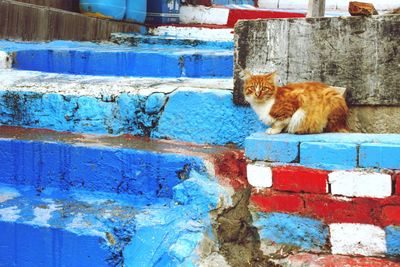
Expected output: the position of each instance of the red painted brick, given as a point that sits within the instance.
(270, 201)
(390, 215)
(335, 210)
(230, 168)
(305, 259)
(300, 179)
(397, 183)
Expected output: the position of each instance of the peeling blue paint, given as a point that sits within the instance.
(105, 229)
(208, 116)
(196, 116)
(86, 58)
(308, 234)
(330, 151)
(92, 168)
(393, 240)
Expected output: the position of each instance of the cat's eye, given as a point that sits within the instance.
(250, 89)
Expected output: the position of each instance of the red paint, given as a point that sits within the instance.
(334, 210)
(306, 259)
(249, 14)
(397, 183)
(270, 201)
(390, 215)
(300, 179)
(230, 167)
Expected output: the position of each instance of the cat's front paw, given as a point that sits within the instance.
(273, 131)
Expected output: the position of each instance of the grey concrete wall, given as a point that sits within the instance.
(359, 53)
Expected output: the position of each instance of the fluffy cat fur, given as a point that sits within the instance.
(300, 108)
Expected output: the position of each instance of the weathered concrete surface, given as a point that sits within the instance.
(358, 53)
(374, 119)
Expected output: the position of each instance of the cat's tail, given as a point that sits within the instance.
(337, 119)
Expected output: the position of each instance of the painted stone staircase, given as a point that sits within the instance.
(131, 201)
(327, 193)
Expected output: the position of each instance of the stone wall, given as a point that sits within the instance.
(358, 53)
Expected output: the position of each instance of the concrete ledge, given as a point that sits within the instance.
(183, 109)
(329, 49)
(84, 58)
(327, 151)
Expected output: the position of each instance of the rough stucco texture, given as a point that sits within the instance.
(358, 53)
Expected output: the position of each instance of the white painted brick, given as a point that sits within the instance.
(360, 184)
(259, 175)
(203, 15)
(357, 239)
(5, 60)
(198, 33)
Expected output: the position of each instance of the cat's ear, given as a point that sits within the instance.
(273, 77)
(245, 74)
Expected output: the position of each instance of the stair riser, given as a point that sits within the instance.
(125, 63)
(92, 168)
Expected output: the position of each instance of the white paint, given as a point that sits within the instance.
(198, 33)
(360, 184)
(341, 5)
(10, 214)
(357, 239)
(43, 214)
(262, 109)
(203, 15)
(5, 60)
(8, 193)
(259, 175)
(101, 86)
(295, 121)
(81, 226)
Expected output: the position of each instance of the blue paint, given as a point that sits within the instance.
(110, 8)
(163, 12)
(206, 117)
(144, 60)
(154, 103)
(26, 246)
(327, 151)
(352, 138)
(134, 39)
(380, 156)
(202, 116)
(92, 168)
(293, 230)
(332, 156)
(274, 151)
(393, 240)
(233, 2)
(147, 231)
(136, 10)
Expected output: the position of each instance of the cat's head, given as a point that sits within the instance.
(259, 88)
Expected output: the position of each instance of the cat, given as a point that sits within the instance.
(299, 108)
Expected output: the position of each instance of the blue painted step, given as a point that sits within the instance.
(70, 201)
(327, 151)
(121, 60)
(134, 39)
(193, 110)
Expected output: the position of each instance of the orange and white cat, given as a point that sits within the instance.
(300, 108)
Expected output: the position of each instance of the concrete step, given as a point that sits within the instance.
(229, 15)
(133, 39)
(104, 201)
(333, 193)
(330, 151)
(120, 60)
(193, 110)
